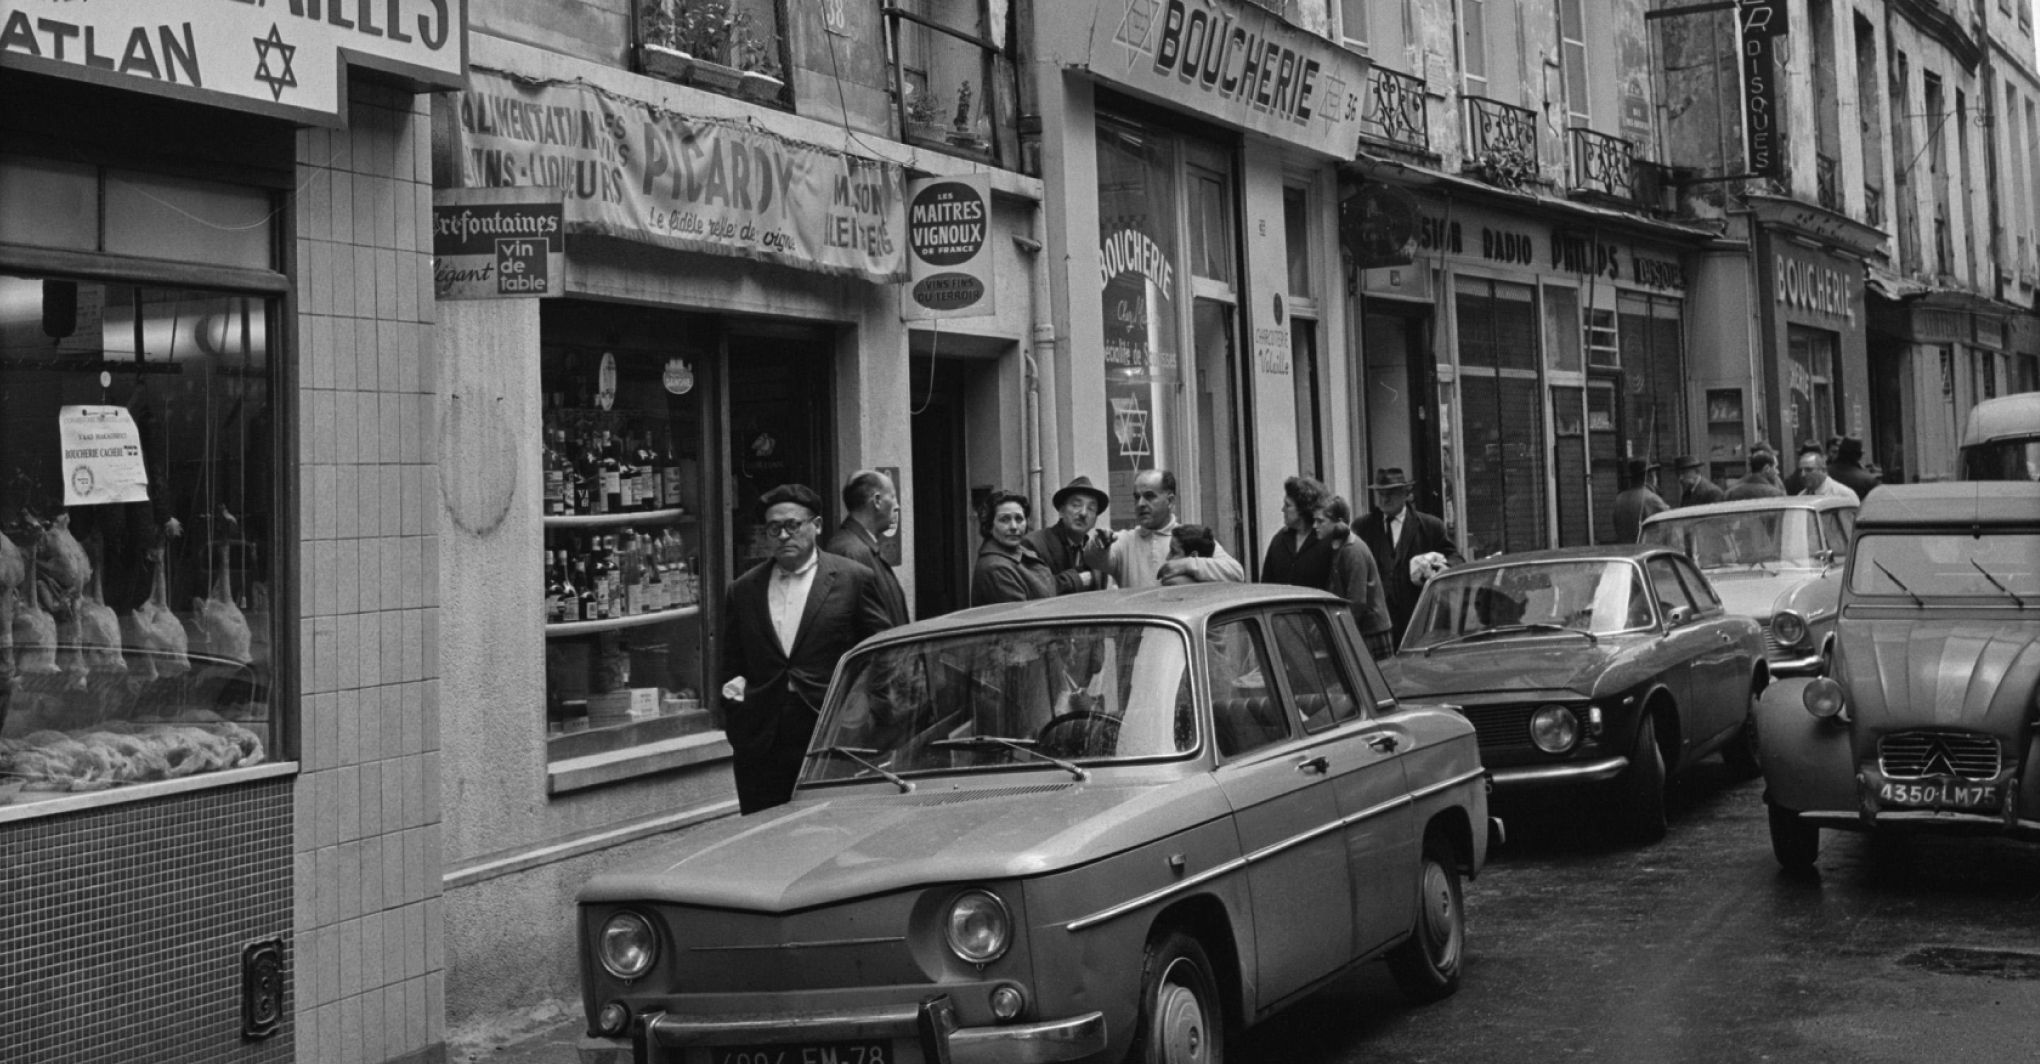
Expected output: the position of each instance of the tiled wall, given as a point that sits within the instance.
(369, 984)
(121, 928)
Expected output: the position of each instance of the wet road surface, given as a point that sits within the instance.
(1699, 949)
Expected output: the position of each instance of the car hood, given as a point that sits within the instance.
(1752, 592)
(821, 850)
(1906, 673)
(1524, 663)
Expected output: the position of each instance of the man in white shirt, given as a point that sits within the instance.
(1814, 480)
(1140, 555)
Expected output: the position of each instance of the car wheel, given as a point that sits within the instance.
(1741, 753)
(1642, 786)
(1794, 841)
(1181, 1019)
(1426, 965)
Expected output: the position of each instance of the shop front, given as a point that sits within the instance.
(1813, 323)
(213, 744)
(1514, 363)
(1199, 155)
(1934, 354)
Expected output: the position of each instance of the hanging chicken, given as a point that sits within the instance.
(220, 621)
(155, 638)
(13, 568)
(33, 630)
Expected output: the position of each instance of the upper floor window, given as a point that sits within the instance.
(1353, 24)
(729, 46)
(951, 74)
(1473, 46)
(1572, 38)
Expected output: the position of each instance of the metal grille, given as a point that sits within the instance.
(1500, 727)
(1911, 755)
(125, 927)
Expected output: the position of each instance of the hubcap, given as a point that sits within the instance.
(1441, 920)
(1181, 1016)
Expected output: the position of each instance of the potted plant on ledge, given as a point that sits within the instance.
(707, 43)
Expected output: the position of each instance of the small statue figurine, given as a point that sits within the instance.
(963, 106)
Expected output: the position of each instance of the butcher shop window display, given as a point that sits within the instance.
(137, 535)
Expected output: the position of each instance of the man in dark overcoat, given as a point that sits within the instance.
(1396, 533)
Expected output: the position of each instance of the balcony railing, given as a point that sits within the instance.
(1827, 181)
(1602, 164)
(1395, 110)
(948, 85)
(1501, 142)
(1873, 205)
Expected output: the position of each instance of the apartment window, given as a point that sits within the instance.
(1353, 24)
(1473, 46)
(952, 76)
(1572, 36)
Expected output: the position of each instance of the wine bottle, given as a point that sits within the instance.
(669, 478)
(612, 474)
(586, 595)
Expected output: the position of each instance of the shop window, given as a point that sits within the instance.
(1569, 465)
(139, 525)
(1562, 331)
(1810, 384)
(1220, 499)
(1653, 373)
(1725, 434)
(1604, 453)
(1139, 251)
(1503, 412)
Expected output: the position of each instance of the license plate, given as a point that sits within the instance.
(806, 1053)
(1945, 793)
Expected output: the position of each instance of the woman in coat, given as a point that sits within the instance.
(1355, 577)
(1007, 568)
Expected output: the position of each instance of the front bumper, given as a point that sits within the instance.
(1557, 774)
(927, 1033)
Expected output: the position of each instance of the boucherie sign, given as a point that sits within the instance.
(1229, 60)
(286, 58)
(633, 170)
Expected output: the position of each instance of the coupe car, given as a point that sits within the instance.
(1607, 667)
(1929, 720)
(1776, 561)
(1113, 826)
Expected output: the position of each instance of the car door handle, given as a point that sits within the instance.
(1318, 765)
(1382, 744)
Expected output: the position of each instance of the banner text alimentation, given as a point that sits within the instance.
(633, 170)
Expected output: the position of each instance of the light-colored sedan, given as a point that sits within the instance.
(1074, 829)
(1776, 561)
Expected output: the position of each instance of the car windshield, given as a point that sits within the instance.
(1585, 596)
(1741, 539)
(1008, 697)
(1925, 566)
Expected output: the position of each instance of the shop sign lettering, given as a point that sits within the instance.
(629, 169)
(287, 58)
(1271, 350)
(1581, 255)
(1435, 234)
(102, 456)
(1760, 23)
(486, 244)
(1229, 59)
(1662, 274)
(948, 256)
(1813, 287)
(1500, 245)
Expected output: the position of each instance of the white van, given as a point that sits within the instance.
(2003, 440)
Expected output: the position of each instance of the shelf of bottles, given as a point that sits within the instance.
(622, 603)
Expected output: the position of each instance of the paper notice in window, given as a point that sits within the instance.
(102, 456)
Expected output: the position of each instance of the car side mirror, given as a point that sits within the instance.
(1678, 615)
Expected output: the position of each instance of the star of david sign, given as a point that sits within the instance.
(273, 45)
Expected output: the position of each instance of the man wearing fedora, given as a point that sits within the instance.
(1694, 487)
(1396, 533)
(1074, 547)
(1637, 501)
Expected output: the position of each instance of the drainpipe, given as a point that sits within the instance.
(1037, 355)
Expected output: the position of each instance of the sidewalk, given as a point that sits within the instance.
(547, 1034)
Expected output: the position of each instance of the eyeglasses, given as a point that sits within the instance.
(784, 529)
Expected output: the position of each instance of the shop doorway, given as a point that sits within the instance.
(943, 524)
(1401, 404)
(779, 426)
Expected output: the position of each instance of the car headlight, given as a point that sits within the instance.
(978, 927)
(1824, 697)
(1554, 729)
(627, 946)
(1788, 628)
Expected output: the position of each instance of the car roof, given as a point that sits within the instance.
(1960, 503)
(2004, 417)
(1185, 603)
(1775, 502)
(1604, 552)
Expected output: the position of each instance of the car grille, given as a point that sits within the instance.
(1500, 727)
(1911, 755)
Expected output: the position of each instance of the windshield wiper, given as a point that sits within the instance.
(1917, 601)
(1996, 584)
(1025, 746)
(1511, 629)
(858, 754)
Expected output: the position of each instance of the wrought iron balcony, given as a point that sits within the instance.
(1501, 142)
(1827, 181)
(1602, 164)
(1873, 205)
(1395, 112)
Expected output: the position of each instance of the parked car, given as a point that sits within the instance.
(1776, 561)
(1928, 721)
(1610, 667)
(2002, 439)
(1070, 829)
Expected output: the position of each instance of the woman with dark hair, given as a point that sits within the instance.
(1007, 568)
(1298, 555)
(1355, 577)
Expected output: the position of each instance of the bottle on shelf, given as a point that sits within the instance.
(585, 597)
(669, 477)
(555, 484)
(627, 573)
(552, 589)
(566, 595)
(588, 473)
(604, 568)
(612, 475)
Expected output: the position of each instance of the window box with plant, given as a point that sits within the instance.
(711, 44)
